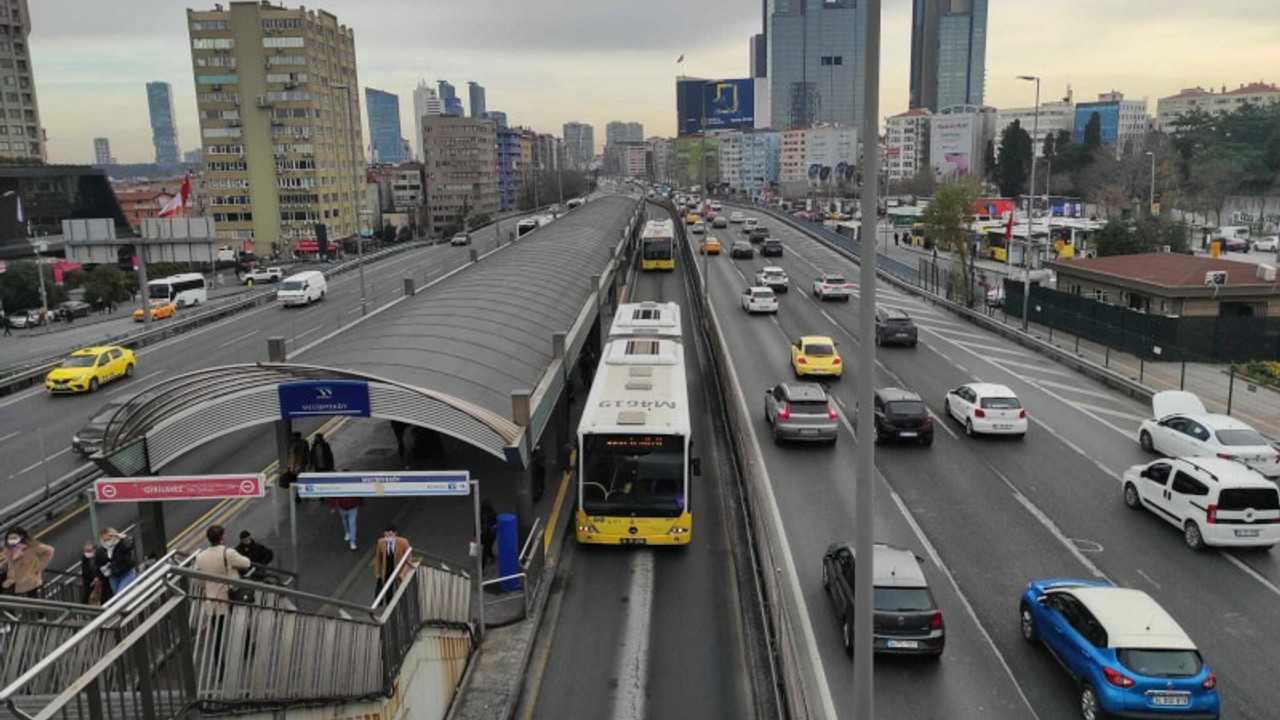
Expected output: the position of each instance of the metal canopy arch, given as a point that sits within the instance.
(207, 404)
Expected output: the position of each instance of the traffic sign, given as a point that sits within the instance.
(434, 483)
(191, 487)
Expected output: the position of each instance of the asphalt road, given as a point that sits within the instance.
(995, 514)
(653, 633)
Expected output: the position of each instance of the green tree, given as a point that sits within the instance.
(107, 283)
(989, 166)
(20, 286)
(478, 220)
(947, 219)
(1014, 164)
(1048, 150)
(1093, 132)
(1148, 235)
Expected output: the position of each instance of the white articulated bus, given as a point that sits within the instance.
(635, 464)
(182, 290)
(646, 319)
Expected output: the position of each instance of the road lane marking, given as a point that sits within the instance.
(1148, 577)
(1048, 524)
(1244, 567)
(10, 435)
(633, 660)
(133, 384)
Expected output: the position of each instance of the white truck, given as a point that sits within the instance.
(261, 275)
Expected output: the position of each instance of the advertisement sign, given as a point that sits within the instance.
(437, 483)
(951, 145)
(193, 487)
(993, 207)
(724, 104)
(320, 398)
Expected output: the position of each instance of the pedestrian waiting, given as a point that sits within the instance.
(321, 454)
(260, 555)
(116, 560)
(23, 563)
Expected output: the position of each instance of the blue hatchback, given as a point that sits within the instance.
(1129, 657)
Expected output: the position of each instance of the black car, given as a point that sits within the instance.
(88, 440)
(895, 326)
(771, 247)
(742, 249)
(72, 309)
(902, 415)
(907, 620)
(758, 233)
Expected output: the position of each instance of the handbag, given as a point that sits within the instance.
(95, 592)
(235, 593)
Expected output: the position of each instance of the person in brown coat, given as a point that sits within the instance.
(224, 562)
(23, 563)
(387, 554)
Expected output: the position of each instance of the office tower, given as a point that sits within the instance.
(276, 89)
(164, 132)
(17, 81)
(815, 50)
(459, 156)
(102, 152)
(449, 99)
(426, 101)
(475, 92)
(758, 56)
(1120, 120)
(497, 116)
(615, 132)
(384, 126)
(948, 53)
(580, 144)
(635, 132)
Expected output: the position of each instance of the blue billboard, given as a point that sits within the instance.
(719, 104)
(321, 398)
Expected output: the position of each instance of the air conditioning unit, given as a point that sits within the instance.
(1215, 277)
(234, 123)
(1267, 273)
(1166, 248)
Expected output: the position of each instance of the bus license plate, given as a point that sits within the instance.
(1246, 533)
(901, 644)
(633, 541)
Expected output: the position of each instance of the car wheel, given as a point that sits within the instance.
(846, 635)
(968, 427)
(1144, 439)
(1192, 535)
(1026, 623)
(93, 385)
(777, 436)
(1090, 707)
(128, 370)
(1131, 497)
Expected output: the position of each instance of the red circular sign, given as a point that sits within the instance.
(249, 487)
(108, 490)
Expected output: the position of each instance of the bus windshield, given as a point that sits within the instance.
(657, 249)
(633, 475)
(160, 291)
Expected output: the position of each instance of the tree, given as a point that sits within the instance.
(1093, 132)
(1049, 145)
(989, 162)
(1146, 236)
(106, 283)
(478, 220)
(1014, 164)
(947, 218)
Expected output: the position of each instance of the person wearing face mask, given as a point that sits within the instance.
(94, 589)
(116, 561)
(23, 563)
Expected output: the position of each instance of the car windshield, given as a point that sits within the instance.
(1246, 498)
(1161, 663)
(79, 361)
(905, 408)
(903, 599)
(1000, 403)
(291, 285)
(1240, 436)
(819, 349)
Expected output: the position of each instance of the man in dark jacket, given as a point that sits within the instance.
(257, 553)
(321, 455)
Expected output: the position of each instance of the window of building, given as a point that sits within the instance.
(283, 42)
(212, 43)
(282, 24)
(208, 25)
(227, 61)
(286, 60)
(227, 132)
(216, 79)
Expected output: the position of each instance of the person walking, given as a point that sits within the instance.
(347, 508)
(23, 563)
(321, 455)
(94, 590)
(4, 322)
(116, 561)
(390, 551)
(260, 555)
(222, 562)
(488, 533)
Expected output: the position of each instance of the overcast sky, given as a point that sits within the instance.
(550, 61)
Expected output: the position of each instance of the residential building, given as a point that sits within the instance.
(958, 138)
(1189, 100)
(791, 156)
(730, 157)
(426, 101)
(1171, 284)
(449, 99)
(548, 152)
(461, 169)
(1055, 116)
(660, 159)
(102, 152)
(906, 144)
(408, 187)
(385, 143)
(510, 168)
(580, 144)
(164, 130)
(815, 50)
(634, 160)
(18, 101)
(948, 53)
(759, 162)
(475, 93)
(497, 116)
(279, 109)
(138, 205)
(1121, 120)
(697, 160)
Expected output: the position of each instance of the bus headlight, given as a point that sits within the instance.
(588, 528)
(678, 531)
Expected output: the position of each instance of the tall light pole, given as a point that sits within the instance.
(1151, 196)
(1026, 249)
(355, 191)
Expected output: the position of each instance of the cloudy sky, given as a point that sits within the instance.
(550, 61)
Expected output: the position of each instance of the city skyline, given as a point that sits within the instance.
(631, 75)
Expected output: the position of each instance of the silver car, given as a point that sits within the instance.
(801, 411)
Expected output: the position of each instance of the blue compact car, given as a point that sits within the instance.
(1129, 657)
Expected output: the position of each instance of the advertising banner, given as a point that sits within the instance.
(322, 398)
(951, 145)
(723, 104)
(374, 484)
(194, 487)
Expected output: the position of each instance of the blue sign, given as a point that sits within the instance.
(321, 398)
(376, 484)
(715, 104)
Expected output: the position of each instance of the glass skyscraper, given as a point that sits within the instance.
(164, 133)
(384, 126)
(815, 62)
(948, 53)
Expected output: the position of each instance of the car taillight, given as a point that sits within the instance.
(928, 420)
(1210, 682)
(835, 361)
(847, 286)
(831, 412)
(785, 412)
(1022, 414)
(801, 361)
(1211, 516)
(826, 286)
(979, 413)
(935, 622)
(1117, 678)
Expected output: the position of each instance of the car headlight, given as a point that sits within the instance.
(75, 439)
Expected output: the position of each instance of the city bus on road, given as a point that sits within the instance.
(183, 290)
(634, 448)
(647, 319)
(657, 245)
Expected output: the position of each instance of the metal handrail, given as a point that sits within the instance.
(388, 585)
(523, 558)
(266, 587)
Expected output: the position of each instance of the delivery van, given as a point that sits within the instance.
(302, 288)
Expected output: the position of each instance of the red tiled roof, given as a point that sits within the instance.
(1167, 270)
(913, 112)
(140, 195)
(1189, 93)
(1253, 88)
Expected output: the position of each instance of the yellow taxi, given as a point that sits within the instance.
(816, 355)
(710, 246)
(692, 218)
(159, 311)
(86, 369)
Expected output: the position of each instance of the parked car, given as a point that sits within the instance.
(816, 355)
(742, 249)
(1266, 244)
(801, 411)
(460, 239)
(88, 439)
(23, 319)
(159, 311)
(1183, 428)
(1128, 656)
(895, 326)
(1213, 501)
(906, 618)
(986, 408)
(773, 277)
(771, 247)
(1235, 244)
(759, 299)
(87, 369)
(72, 309)
(832, 285)
(902, 415)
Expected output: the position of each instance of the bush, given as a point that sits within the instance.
(1264, 372)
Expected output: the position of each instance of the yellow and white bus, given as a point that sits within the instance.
(634, 448)
(657, 245)
(647, 319)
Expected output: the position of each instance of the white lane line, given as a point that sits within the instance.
(1110, 411)
(305, 333)
(1081, 391)
(940, 422)
(37, 464)
(1031, 366)
(1079, 450)
(1148, 577)
(1048, 524)
(246, 336)
(10, 435)
(133, 384)
(19, 397)
(991, 348)
(633, 660)
(1244, 567)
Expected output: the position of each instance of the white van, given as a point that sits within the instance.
(1214, 501)
(302, 288)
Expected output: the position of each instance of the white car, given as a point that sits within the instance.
(832, 285)
(460, 239)
(759, 299)
(736, 217)
(986, 408)
(1266, 244)
(1183, 428)
(716, 206)
(1213, 501)
(750, 224)
(698, 228)
(773, 277)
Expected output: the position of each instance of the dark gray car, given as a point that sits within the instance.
(801, 411)
(88, 440)
(894, 326)
(907, 619)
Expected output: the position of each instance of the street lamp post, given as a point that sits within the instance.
(1026, 249)
(1151, 196)
(355, 193)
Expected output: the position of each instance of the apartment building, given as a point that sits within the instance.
(460, 161)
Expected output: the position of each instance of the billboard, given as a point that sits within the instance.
(724, 104)
(952, 145)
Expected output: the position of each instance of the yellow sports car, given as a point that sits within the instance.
(710, 246)
(90, 367)
(816, 355)
(159, 311)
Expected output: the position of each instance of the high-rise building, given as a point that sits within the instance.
(580, 144)
(815, 50)
(758, 56)
(906, 144)
(276, 90)
(384, 126)
(18, 101)
(948, 53)
(635, 132)
(615, 132)
(475, 96)
(102, 152)
(1188, 100)
(449, 99)
(1120, 120)
(461, 172)
(510, 168)
(164, 131)
(426, 101)
(660, 154)
(497, 116)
